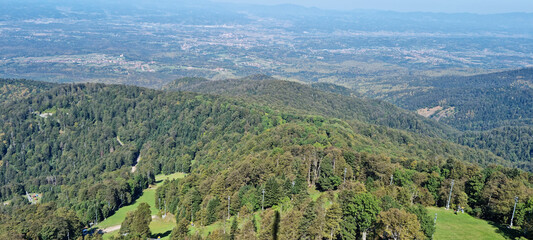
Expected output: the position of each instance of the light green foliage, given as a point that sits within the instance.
(333, 220)
(138, 222)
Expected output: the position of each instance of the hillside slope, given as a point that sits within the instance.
(479, 102)
(229, 147)
(322, 99)
(495, 110)
(13, 89)
(335, 101)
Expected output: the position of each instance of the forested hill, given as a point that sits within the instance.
(479, 102)
(95, 128)
(514, 144)
(335, 101)
(322, 99)
(12, 89)
(79, 156)
(495, 110)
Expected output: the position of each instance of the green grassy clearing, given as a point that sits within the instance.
(158, 225)
(162, 227)
(162, 177)
(206, 230)
(462, 226)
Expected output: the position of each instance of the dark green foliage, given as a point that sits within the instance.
(481, 102)
(250, 197)
(272, 192)
(230, 148)
(235, 228)
(426, 221)
(327, 180)
(403, 178)
(275, 226)
(473, 188)
(307, 220)
(528, 218)
(511, 143)
(388, 202)
(212, 209)
(495, 110)
(88, 122)
(359, 212)
(296, 97)
(327, 100)
(39, 222)
(181, 230)
(433, 184)
(334, 88)
(14, 89)
(333, 220)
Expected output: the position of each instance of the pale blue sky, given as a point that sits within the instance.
(448, 6)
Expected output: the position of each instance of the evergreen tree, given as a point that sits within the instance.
(234, 229)
(333, 219)
(306, 221)
(328, 180)
(212, 207)
(272, 192)
(181, 230)
(426, 221)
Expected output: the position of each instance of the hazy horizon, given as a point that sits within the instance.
(438, 6)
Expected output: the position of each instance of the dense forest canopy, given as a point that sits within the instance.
(79, 156)
(13, 89)
(323, 99)
(479, 102)
(331, 100)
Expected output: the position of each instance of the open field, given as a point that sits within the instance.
(462, 226)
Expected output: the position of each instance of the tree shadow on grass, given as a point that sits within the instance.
(162, 235)
(508, 233)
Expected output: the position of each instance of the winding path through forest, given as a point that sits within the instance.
(119, 142)
(134, 167)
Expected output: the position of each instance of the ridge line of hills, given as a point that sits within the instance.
(336, 101)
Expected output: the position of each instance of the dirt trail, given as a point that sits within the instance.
(134, 167)
(111, 229)
(120, 142)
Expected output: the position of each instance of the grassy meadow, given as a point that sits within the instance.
(462, 226)
(158, 226)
